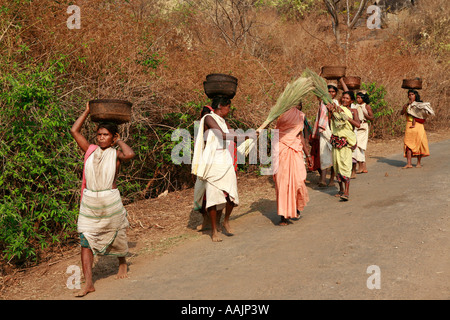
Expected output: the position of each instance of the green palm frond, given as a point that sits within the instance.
(320, 86)
(291, 97)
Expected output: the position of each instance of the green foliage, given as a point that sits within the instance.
(38, 169)
(385, 122)
(149, 59)
(377, 103)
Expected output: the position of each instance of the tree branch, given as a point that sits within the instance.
(358, 13)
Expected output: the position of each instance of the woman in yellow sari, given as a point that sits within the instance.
(415, 142)
(290, 171)
(343, 139)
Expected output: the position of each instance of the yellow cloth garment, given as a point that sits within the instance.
(416, 139)
(342, 128)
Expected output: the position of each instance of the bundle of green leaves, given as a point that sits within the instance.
(320, 86)
(291, 96)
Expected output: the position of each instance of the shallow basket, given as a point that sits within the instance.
(220, 84)
(412, 83)
(221, 77)
(352, 82)
(220, 88)
(110, 110)
(333, 72)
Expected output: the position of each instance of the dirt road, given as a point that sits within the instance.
(392, 236)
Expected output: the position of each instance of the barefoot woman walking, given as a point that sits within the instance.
(289, 166)
(103, 219)
(343, 139)
(213, 165)
(416, 142)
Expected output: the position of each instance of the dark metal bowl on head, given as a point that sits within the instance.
(220, 84)
(110, 110)
(415, 83)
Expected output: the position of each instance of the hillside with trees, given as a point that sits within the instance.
(156, 54)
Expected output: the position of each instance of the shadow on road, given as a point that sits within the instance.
(391, 162)
(268, 208)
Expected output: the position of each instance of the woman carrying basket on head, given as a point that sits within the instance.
(415, 141)
(102, 221)
(213, 165)
(343, 139)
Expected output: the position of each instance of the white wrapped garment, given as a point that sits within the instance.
(421, 110)
(213, 165)
(103, 218)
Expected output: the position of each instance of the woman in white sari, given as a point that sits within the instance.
(365, 114)
(103, 219)
(213, 165)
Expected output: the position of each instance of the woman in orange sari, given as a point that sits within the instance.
(416, 142)
(290, 171)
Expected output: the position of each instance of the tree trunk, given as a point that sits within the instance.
(333, 10)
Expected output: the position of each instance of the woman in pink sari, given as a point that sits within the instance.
(290, 170)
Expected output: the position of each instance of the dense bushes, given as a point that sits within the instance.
(37, 205)
(385, 122)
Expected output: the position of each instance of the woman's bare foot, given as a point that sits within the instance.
(407, 166)
(122, 269)
(206, 225)
(227, 229)
(85, 291)
(215, 237)
(283, 221)
(418, 165)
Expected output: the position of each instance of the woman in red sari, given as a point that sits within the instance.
(290, 171)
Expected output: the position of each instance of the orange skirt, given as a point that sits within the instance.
(290, 187)
(416, 140)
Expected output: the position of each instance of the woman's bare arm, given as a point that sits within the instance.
(125, 153)
(369, 114)
(344, 86)
(355, 120)
(404, 109)
(212, 124)
(75, 131)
